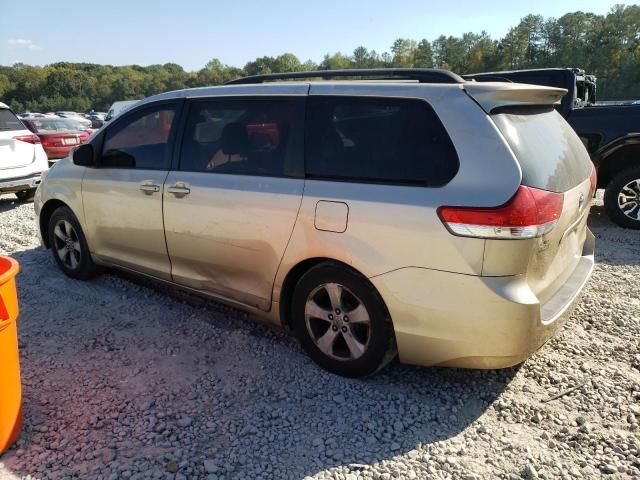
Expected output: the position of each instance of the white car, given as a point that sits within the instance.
(29, 115)
(75, 116)
(22, 158)
(119, 107)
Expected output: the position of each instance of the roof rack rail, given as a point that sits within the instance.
(487, 78)
(421, 75)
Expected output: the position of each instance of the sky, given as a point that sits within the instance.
(191, 32)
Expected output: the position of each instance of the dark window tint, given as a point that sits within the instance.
(243, 136)
(140, 139)
(550, 153)
(8, 121)
(378, 139)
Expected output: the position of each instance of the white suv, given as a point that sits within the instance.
(22, 158)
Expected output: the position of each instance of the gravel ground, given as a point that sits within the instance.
(123, 380)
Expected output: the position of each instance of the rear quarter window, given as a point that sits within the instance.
(551, 155)
(8, 121)
(380, 140)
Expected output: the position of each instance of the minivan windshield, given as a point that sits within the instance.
(8, 121)
(552, 157)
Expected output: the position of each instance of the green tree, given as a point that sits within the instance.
(286, 62)
(260, 66)
(335, 62)
(361, 58)
(423, 55)
(403, 50)
(5, 85)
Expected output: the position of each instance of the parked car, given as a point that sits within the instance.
(96, 121)
(22, 159)
(76, 117)
(118, 107)
(100, 115)
(27, 115)
(58, 136)
(357, 214)
(611, 134)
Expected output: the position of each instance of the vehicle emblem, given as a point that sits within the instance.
(580, 200)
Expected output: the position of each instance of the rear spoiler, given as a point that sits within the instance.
(492, 95)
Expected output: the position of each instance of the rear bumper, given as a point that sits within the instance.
(56, 153)
(17, 184)
(449, 319)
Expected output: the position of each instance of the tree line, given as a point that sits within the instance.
(607, 46)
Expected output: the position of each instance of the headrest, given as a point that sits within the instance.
(234, 139)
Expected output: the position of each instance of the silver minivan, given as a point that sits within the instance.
(407, 213)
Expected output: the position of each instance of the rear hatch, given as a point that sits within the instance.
(552, 158)
(16, 142)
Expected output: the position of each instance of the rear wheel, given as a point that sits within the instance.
(341, 321)
(26, 195)
(622, 198)
(69, 245)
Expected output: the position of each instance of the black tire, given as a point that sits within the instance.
(77, 262)
(26, 195)
(618, 183)
(376, 335)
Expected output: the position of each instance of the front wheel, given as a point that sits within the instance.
(69, 245)
(622, 198)
(26, 195)
(341, 321)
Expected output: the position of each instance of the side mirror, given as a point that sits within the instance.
(84, 156)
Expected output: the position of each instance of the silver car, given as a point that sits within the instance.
(416, 215)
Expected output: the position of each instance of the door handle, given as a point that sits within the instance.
(179, 189)
(149, 188)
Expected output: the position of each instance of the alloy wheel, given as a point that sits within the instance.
(629, 199)
(338, 322)
(67, 244)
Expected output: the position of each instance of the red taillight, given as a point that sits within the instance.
(530, 213)
(28, 138)
(594, 180)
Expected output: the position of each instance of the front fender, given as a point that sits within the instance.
(63, 183)
(615, 145)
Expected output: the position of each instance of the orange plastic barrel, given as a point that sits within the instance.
(10, 391)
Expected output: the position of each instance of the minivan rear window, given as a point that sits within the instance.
(386, 140)
(551, 155)
(8, 121)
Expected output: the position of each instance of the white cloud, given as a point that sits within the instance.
(23, 42)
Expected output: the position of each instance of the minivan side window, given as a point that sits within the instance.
(244, 136)
(140, 140)
(386, 140)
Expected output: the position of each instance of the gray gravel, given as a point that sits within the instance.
(123, 379)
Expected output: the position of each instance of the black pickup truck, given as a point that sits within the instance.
(611, 134)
